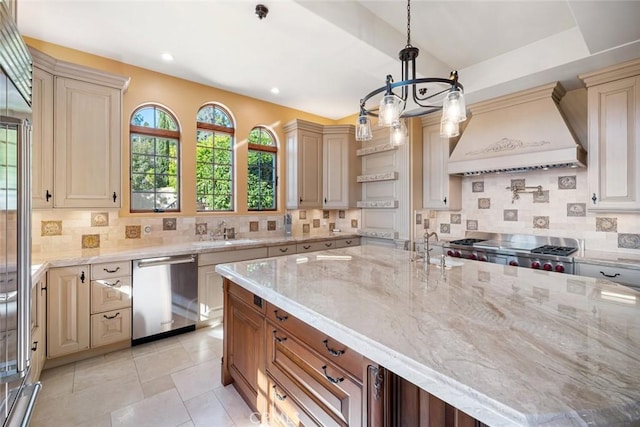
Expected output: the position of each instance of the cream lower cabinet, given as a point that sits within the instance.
(110, 303)
(614, 138)
(210, 291)
(38, 329)
(68, 327)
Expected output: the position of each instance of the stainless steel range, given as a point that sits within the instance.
(537, 252)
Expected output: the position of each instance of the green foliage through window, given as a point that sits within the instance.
(155, 179)
(261, 170)
(214, 159)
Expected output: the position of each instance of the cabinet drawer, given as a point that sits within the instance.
(247, 297)
(108, 270)
(284, 410)
(333, 397)
(315, 246)
(625, 276)
(110, 294)
(282, 250)
(223, 257)
(333, 350)
(343, 243)
(110, 327)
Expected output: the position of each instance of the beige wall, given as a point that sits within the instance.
(184, 98)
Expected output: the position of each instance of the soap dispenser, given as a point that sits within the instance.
(287, 224)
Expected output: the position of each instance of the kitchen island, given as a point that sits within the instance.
(505, 345)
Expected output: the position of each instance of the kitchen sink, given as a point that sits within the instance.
(222, 243)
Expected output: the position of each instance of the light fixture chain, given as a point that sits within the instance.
(408, 22)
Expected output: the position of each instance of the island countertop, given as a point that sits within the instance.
(507, 345)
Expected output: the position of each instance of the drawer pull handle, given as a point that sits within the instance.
(328, 245)
(111, 285)
(609, 275)
(277, 338)
(331, 351)
(278, 395)
(280, 318)
(111, 271)
(330, 378)
(306, 246)
(111, 317)
(283, 250)
(348, 242)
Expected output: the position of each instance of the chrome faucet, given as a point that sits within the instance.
(427, 249)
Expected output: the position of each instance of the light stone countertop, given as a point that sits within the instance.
(507, 345)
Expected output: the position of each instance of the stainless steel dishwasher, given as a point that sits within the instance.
(164, 297)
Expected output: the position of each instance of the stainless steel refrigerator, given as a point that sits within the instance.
(17, 397)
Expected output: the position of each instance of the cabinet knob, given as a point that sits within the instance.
(594, 198)
(34, 347)
(115, 196)
(325, 200)
(82, 277)
(445, 200)
(300, 199)
(47, 195)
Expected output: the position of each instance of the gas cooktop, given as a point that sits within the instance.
(554, 250)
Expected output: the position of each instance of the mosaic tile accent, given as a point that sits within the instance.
(607, 224)
(576, 209)
(477, 187)
(90, 241)
(354, 223)
(201, 229)
(510, 215)
(425, 223)
(341, 214)
(99, 219)
(518, 183)
(316, 223)
(472, 224)
(381, 204)
(302, 215)
(540, 222)
(455, 218)
(418, 218)
(135, 231)
(629, 241)
(484, 203)
(254, 225)
(445, 228)
(541, 197)
(306, 228)
(567, 182)
(271, 225)
(50, 228)
(325, 214)
(168, 224)
(332, 226)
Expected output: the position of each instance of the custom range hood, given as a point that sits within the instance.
(517, 133)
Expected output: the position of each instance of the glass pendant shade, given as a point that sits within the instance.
(363, 129)
(398, 134)
(390, 109)
(454, 107)
(449, 128)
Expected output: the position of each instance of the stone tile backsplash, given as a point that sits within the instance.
(63, 230)
(561, 210)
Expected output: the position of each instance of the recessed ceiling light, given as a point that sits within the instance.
(275, 90)
(167, 57)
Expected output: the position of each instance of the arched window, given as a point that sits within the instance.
(155, 163)
(262, 179)
(214, 159)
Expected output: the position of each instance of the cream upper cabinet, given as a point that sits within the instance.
(77, 135)
(341, 167)
(42, 137)
(304, 164)
(614, 137)
(441, 191)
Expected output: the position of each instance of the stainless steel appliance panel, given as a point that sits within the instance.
(164, 297)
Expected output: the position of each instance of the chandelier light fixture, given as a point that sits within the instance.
(412, 97)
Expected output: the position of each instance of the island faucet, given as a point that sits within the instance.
(427, 249)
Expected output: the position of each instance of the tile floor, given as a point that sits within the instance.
(171, 382)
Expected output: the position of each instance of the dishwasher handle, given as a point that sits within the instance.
(152, 262)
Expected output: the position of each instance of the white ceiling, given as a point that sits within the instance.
(324, 55)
